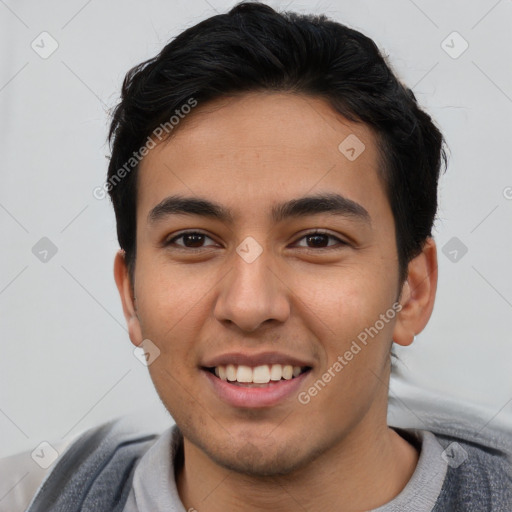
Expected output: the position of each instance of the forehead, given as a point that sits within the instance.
(251, 151)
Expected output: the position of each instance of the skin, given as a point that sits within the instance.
(248, 153)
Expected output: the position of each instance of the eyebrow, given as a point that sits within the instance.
(334, 204)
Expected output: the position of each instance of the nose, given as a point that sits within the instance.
(252, 293)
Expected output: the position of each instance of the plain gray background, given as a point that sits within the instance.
(66, 361)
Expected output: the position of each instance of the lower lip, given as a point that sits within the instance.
(249, 397)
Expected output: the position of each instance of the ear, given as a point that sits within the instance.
(125, 288)
(417, 295)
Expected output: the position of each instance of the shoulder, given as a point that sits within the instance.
(23, 472)
(96, 467)
(478, 477)
(477, 454)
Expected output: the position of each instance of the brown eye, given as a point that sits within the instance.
(320, 240)
(190, 239)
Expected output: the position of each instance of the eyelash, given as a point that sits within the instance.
(312, 233)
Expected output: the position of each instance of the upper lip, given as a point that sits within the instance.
(241, 358)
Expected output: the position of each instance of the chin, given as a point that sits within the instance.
(252, 462)
(266, 459)
(256, 452)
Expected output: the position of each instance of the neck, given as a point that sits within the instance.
(363, 471)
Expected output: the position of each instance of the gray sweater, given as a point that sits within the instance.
(114, 467)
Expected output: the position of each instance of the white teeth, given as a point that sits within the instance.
(231, 372)
(276, 372)
(287, 372)
(259, 375)
(244, 373)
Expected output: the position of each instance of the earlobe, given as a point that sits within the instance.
(418, 295)
(134, 330)
(125, 289)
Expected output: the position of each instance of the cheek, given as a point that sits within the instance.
(343, 311)
(168, 293)
(175, 390)
(169, 317)
(344, 300)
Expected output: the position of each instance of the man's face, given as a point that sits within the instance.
(256, 290)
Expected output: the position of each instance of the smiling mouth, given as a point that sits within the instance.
(258, 376)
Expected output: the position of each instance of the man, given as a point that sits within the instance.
(275, 187)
